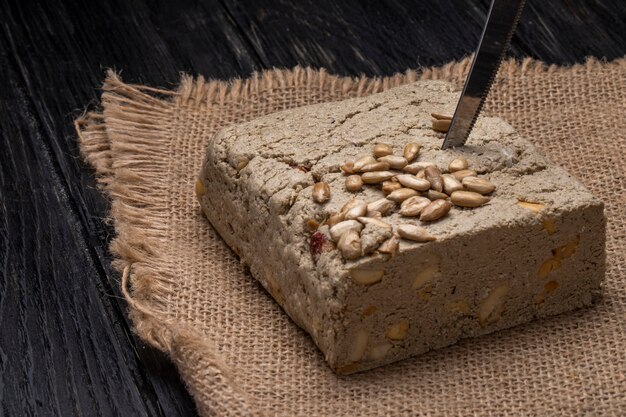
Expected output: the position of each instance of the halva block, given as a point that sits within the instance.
(381, 245)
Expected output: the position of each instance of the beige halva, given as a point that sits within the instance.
(381, 245)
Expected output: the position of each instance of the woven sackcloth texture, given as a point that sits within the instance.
(239, 354)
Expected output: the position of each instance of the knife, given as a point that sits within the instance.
(497, 33)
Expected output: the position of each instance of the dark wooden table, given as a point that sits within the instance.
(66, 345)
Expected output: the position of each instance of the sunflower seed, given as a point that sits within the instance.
(413, 182)
(349, 204)
(421, 174)
(411, 150)
(358, 210)
(383, 206)
(435, 210)
(334, 219)
(382, 149)
(433, 175)
(391, 186)
(321, 192)
(441, 116)
(459, 175)
(468, 199)
(390, 246)
(412, 206)
(450, 184)
(347, 168)
(350, 245)
(479, 185)
(436, 195)
(342, 227)
(402, 194)
(458, 164)
(415, 167)
(361, 162)
(394, 161)
(415, 233)
(375, 166)
(374, 221)
(377, 177)
(354, 183)
(441, 125)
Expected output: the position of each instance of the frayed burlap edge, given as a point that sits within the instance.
(140, 222)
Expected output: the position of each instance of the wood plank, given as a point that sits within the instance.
(387, 36)
(54, 56)
(63, 348)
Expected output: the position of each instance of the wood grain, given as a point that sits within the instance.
(66, 345)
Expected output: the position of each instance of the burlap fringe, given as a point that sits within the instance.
(137, 114)
(138, 111)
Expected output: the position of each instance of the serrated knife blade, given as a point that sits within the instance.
(501, 23)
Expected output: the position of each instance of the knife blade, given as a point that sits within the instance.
(497, 33)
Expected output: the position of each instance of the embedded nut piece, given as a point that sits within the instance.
(468, 199)
(383, 206)
(382, 149)
(436, 195)
(375, 166)
(534, 207)
(411, 150)
(398, 331)
(492, 306)
(478, 185)
(367, 276)
(458, 164)
(340, 228)
(390, 186)
(402, 194)
(413, 182)
(435, 210)
(377, 177)
(548, 266)
(357, 210)
(361, 162)
(394, 161)
(425, 276)
(199, 188)
(451, 184)
(416, 167)
(459, 175)
(379, 351)
(549, 225)
(358, 346)
(350, 245)
(433, 175)
(354, 183)
(412, 207)
(321, 192)
(390, 246)
(415, 233)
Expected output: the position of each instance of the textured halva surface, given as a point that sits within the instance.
(486, 270)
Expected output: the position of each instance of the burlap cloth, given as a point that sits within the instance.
(237, 351)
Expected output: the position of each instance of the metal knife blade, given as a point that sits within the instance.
(501, 23)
